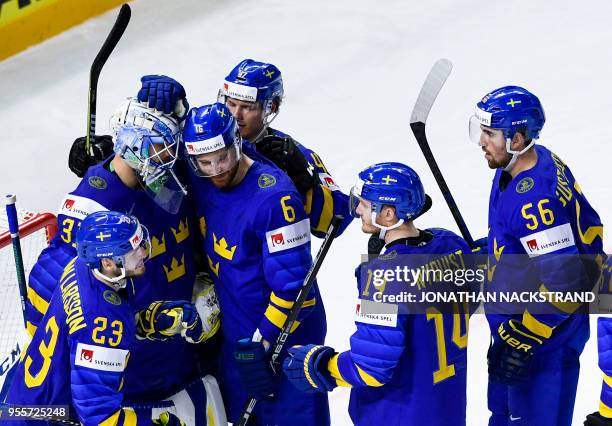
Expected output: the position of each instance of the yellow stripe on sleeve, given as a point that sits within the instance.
(30, 328)
(112, 420)
(130, 417)
(308, 205)
(40, 304)
(332, 367)
(566, 307)
(604, 410)
(369, 380)
(607, 380)
(280, 302)
(327, 211)
(536, 326)
(276, 317)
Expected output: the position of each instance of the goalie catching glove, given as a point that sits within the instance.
(168, 419)
(196, 322)
(511, 353)
(284, 152)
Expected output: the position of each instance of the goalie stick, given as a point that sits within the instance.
(279, 344)
(96, 68)
(429, 92)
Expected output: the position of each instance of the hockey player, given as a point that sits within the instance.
(140, 180)
(540, 219)
(78, 355)
(257, 245)
(403, 368)
(604, 339)
(253, 92)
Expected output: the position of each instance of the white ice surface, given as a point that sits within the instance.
(352, 70)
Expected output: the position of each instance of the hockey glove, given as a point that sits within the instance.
(254, 369)
(163, 319)
(163, 94)
(481, 246)
(597, 419)
(511, 353)
(207, 304)
(80, 159)
(168, 419)
(283, 152)
(306, 368)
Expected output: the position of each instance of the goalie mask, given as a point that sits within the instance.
(148, 142)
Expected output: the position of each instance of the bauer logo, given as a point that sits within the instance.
(79, 207)
(288, 236)
(549, 240)
(101, 358)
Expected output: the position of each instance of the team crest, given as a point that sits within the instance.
(524, 185)
(112, 297)
(266, 181)
(97, 182)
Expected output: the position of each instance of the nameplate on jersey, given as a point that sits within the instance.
(328, 181)
(549, 240)
(375, 313)
(205, 146)
(289, 236)
(240, 92)
(100, 358)
(79, 207)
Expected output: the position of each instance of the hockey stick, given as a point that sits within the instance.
(295, 310)
(96, 68)
(13, 222)
(429, 92)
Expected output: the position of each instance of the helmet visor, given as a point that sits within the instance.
(356, 200)
(217, 162)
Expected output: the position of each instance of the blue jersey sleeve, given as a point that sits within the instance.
(284, 231)
(325, 200)
(50, 264)
(544, 229)
(374, 354)
(604, 343)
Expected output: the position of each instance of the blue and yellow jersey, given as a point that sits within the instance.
(604, 345)
(407, 366)
(170, 273)
(542, 217)
(79, 353)
(256, 240)
(322, 202)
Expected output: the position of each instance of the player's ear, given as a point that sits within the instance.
(387, 215)
(518, 141)
(275, 105)
(107, 264)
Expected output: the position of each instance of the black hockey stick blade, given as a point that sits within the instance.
(332, 232)
(96, 67)
(429, 92)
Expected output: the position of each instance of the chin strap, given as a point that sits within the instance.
(117, 283)
(384, 229)
(515, 154)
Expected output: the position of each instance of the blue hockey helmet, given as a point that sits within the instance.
(510, 109)
(112, 235)
(211, 138)
(148, 142)
(393, 184)
(254, 81)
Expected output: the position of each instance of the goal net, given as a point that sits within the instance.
(35, 232)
